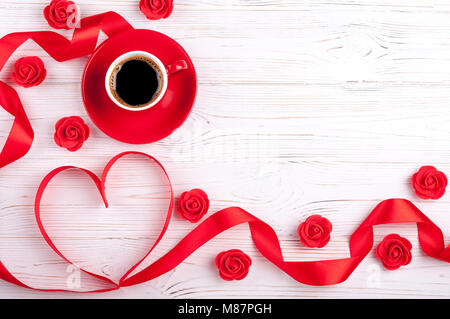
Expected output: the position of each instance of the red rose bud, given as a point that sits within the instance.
(394, 251)
(315, 231)
(429, 183)
(193, 205)
(233, 264)
(156, 9)
(71, 132)
(62, 14)
(29, 71)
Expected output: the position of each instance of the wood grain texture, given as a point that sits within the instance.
(303, 107)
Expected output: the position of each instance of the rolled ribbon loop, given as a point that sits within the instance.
(83, 43)
(317, 273)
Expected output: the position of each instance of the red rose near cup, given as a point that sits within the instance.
(233, 264)
(61, 14)
(71, 133)
(29, 71)
(394, 251)
(429, 183)
(146, 80)
(156, 9)
(193, 205)
(315, 231)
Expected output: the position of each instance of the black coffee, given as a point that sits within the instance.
(136, 82)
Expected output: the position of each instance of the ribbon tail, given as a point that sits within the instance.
(6, 275)
(21, 135)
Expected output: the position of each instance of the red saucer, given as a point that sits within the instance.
(139, 127)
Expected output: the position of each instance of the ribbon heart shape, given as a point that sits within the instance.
(100, 184)
(318, 273)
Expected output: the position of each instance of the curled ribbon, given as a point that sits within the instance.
(83, 43)
(318, 273)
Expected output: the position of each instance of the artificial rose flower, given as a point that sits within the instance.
(61, 14)
(29, 71)
(233, 264)
(429, 183)
(394, 251)
(315, 231)
(71, 132)
(193, 205)
(156, 9)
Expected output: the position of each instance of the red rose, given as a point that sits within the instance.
(156, 9)
(61, 14)
(315, 231)
(429, 183)
(193, 205)
(394, 251)
(29, 71)
(233, 264)
(71, 132)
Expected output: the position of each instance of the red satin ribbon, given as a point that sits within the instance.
(318, 273)
(83, 43)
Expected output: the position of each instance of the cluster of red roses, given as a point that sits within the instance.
(71, 132)
(64, 14)
(393, 251)
(233, 264)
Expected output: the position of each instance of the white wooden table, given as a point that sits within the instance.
(303, 107)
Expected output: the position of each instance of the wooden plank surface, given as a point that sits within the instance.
(303, 107)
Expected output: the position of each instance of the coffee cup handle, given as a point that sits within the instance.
(176, 67)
